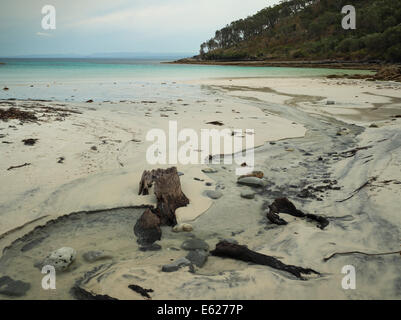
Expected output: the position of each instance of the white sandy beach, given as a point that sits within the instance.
(104, 150)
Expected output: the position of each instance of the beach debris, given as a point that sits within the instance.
(216, 123)
(176, 265)
(6, 89)
(283, 205)
(13, 288)
(198, 257)
(94, 148)
(167, 188)
(89, 101)
(248, 194)
(353, 152)
(17, 114)
(226, 249)
(330, 102)
(257, 174)
(373, 125)
(195, 244)
(327, 258)
(61, 258)
(20, 166)
(30, 141)
(183, 227)
(143, 292)
(80, 293)
(356, 191)
(147, 228)
(251, 182)
(93, 256)
(61, 160)
(209, 170)
(215, 195)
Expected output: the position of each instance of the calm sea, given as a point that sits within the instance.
(120, 79)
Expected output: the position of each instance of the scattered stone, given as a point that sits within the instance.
(216, 123)
(247, 194)
(251, 182)
(330, 103)
(94, 148)
(183, 227)
(176, 265)
(209, 170)
(197, 179)
(29, 142)
(89, 101)
(61, 160)
(214, 194)
(61, 258)
(180, 174)
(373, 125)
(93, 256)
(13, 288)
(208, 184)
(198, 257)
(194, 244)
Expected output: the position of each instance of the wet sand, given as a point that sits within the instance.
(302, 144)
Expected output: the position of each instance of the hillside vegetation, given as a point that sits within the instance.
(311, 30)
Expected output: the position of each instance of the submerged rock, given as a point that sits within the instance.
(176, 265)
(248, 194)
(93, 256)
(152, 247)
(13, 288)
(194, 244)
(61, 258)
(198, 257)
(251, 182)
(215, 195)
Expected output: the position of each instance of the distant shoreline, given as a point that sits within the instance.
(374, 66)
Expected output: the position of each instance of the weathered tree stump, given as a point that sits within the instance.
(147, 228)
(167, 188)
(238, 252)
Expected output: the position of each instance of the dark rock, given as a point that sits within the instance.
(29, 142)
(251, 182)
(13, 288)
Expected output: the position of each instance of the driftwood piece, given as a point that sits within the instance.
(143, 292)
(361, 253)
(283, 205)
(366, 184)
(238, 252)
(167, 188)
(17, 167)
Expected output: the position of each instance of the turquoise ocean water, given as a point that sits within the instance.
(120, 79)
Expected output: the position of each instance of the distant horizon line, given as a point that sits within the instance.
(127, 55)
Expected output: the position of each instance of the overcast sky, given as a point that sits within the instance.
(106, 26)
